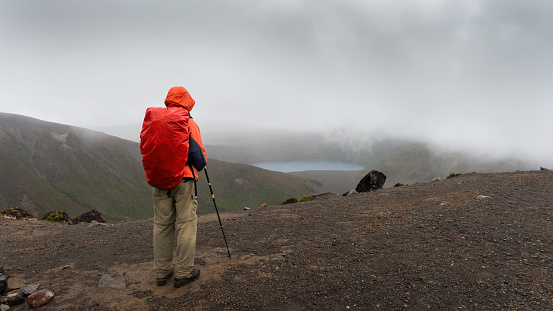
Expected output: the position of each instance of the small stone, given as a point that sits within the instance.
(4, 307)
(483, 197)
(246, 208)
(13, 299)
(3, 283)
(109, 281)
(96, 223)
(40, 298)
(14, 283)
(29, 289)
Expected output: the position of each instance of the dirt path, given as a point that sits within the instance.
(476, 241)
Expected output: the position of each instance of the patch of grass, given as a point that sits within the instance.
(55, 216)
(306, 198)
(12, 212)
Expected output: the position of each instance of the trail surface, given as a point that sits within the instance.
(476, 241)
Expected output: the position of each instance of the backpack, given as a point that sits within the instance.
(164, 145)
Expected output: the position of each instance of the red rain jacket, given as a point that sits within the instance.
(164, 140)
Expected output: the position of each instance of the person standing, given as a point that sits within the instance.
(175, 211)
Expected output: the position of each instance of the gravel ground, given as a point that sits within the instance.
(475, 241)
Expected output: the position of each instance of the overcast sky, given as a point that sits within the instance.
(476, 74)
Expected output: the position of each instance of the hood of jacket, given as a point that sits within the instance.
(178, 96)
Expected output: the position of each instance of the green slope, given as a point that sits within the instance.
(46, 166)
(238, 185)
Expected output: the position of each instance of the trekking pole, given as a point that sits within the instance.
(219, 217)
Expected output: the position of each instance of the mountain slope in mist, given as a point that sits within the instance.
(47, 166)
(402, 161)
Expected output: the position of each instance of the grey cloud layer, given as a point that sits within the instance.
(454, 72)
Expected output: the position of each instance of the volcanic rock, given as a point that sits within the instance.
(29, 289)
(374, 180)
(40, 298)
(13, 299)
(89, 217)
(3, 283)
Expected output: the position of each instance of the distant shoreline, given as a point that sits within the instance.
(308, 165)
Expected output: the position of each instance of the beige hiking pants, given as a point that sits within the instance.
(175, 214)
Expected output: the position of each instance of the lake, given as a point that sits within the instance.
(298, 166)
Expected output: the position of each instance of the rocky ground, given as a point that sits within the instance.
(475, 241)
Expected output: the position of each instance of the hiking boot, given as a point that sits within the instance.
(163, 281)
(181, 282)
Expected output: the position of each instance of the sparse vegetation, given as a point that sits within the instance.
(289, 201)
(263, 205)
(306, 198)
(12, 212)
(16, 212)
(55, 216)
(452, 175)
(59, 215)
(112, 167)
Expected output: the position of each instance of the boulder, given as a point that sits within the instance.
(40, 298)
(374, 180)
(89, 217)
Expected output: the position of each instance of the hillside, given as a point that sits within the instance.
(476, 242)
(402, 161)
(46, 166)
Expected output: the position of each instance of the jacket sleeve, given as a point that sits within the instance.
(194, 131)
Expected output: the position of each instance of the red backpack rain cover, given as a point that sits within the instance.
(164, 146)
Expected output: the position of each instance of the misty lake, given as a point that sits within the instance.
(298, 166)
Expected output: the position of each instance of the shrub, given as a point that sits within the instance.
(452, 175)
(57, 216)
(289, 201)
(306, 198)
(12, 212)
(264, 205)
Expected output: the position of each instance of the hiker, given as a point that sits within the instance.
(175, 211)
